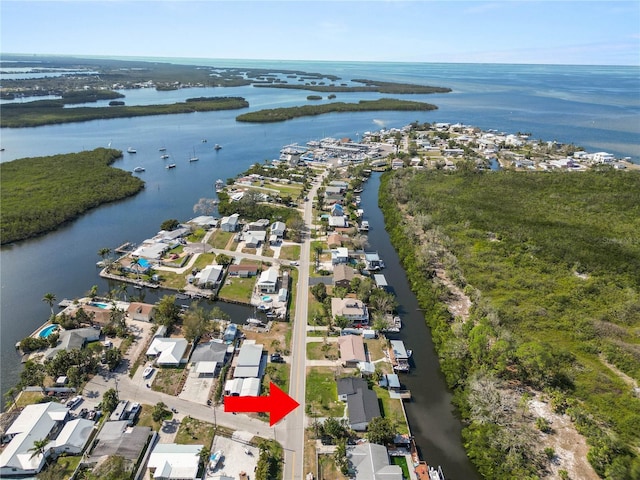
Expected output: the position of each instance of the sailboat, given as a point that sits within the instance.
(193, 157)
(217, 146)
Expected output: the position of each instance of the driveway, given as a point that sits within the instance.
(196, 388)
(237, 457)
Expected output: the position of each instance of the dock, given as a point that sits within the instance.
(124, 248)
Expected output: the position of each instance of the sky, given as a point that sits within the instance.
(517, 31)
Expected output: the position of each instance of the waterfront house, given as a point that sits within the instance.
(338, 222)
(171, 461)
(209, 277)
(204, 221)
(339, 255)
(75, 339)
(351, 350)
(37, 422)
(243, 270)
(342, 275)
(334, 240)
(230, 223)
(370, 461)
(168, 352)
(143, 312)
(268, 281)
(337, 210)
(351, 308)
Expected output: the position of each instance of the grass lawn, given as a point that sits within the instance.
(168, 380)
(391, 409)
(316, 313)
(290, 252)
(220, 239)
(323, 351)
(146, 420)
(68, 465)
(173, 280)
(402, 462)
(29, 398)
(277, 373)
(194, 432)
(328, 469)
(203, 260)
(375, 347)
(237, 289)
(322, 393)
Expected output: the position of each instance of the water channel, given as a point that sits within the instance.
(432, 417)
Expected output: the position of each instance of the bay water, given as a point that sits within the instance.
(595, 107)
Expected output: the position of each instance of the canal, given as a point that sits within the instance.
(432, 418)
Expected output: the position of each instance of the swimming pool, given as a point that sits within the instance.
(144, 263)
(267, 299)
(45, 332)
(99, 304)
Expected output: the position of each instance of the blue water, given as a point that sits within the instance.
(595, 107)
(144, 263)
(45, 332)
(99, 305)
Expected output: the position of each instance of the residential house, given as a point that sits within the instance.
(337, 210)
(351, 350)
(339, 255)
(72, 438)
(204, 221)
(278, 229)
(230, 223)
(254, 238)
(350, 385)
(370, 461)
(209, 277)
(259, 225)
(119, 438)
(362, 407)
(338, 222)
(268, 281)
(230, 333)
(74, 339)
(243, 271)
(168, 352)
(334, 240)
(208, 357)
(36, 422)
(250, 362)
(143, 312)
(351, 308)
(171, 461)
(342, 275)
(125, 411)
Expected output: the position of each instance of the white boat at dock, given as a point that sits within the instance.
(364, 226)
(254, 321)
(219, 185)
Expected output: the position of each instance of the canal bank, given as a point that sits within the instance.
(431, 415)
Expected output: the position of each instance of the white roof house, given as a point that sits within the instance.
(249, 360)
(73, 437)
(170, 461)
(370, 461)
(230, 223)
(339, 255)
(167, 351)
(209, 276)
(250, 387)
(34, 423)
(268, 281)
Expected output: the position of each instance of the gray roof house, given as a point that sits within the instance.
(207, 356)
(362, 407)
(370, 461)
(249, 361)
(230, 223)
(350, 385)
(278, 229)
(118, 438)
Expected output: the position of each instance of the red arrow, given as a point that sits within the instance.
(278, 404)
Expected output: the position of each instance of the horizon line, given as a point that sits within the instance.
(142, 57)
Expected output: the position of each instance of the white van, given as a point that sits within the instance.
(72, 402)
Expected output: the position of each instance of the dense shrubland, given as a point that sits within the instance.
(551, 262)
(40, 193)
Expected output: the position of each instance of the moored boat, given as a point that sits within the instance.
(131, 150)
(171, 165)
(164, 156)
(214, 459)
(138, 169)
(219, 185)
(217, 146)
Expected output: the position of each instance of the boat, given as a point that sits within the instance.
(204, 140)
(146, 373)
(219, 185)
(131, 150)
(171, 165)
(254, 321)
(164, 156)
(138, 169)
(162, 149)
(193, 157)
(264, 307)
(217, 146)
(214, 459)
(364, 226)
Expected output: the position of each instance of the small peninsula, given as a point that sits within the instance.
(288, 113)
(41, 193)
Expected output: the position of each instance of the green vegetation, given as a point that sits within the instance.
(41, 193)
(169, 380)
(322, 393)
(47, 112)
(552, 265)
(194, 432)
(370, 86)
(287, 113)
(237, 289)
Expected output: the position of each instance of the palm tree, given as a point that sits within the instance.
(50, 298)
(39, 448)
(104, 253)
(122, 288)
(135, 262)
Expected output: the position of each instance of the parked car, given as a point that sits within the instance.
(276, 358)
